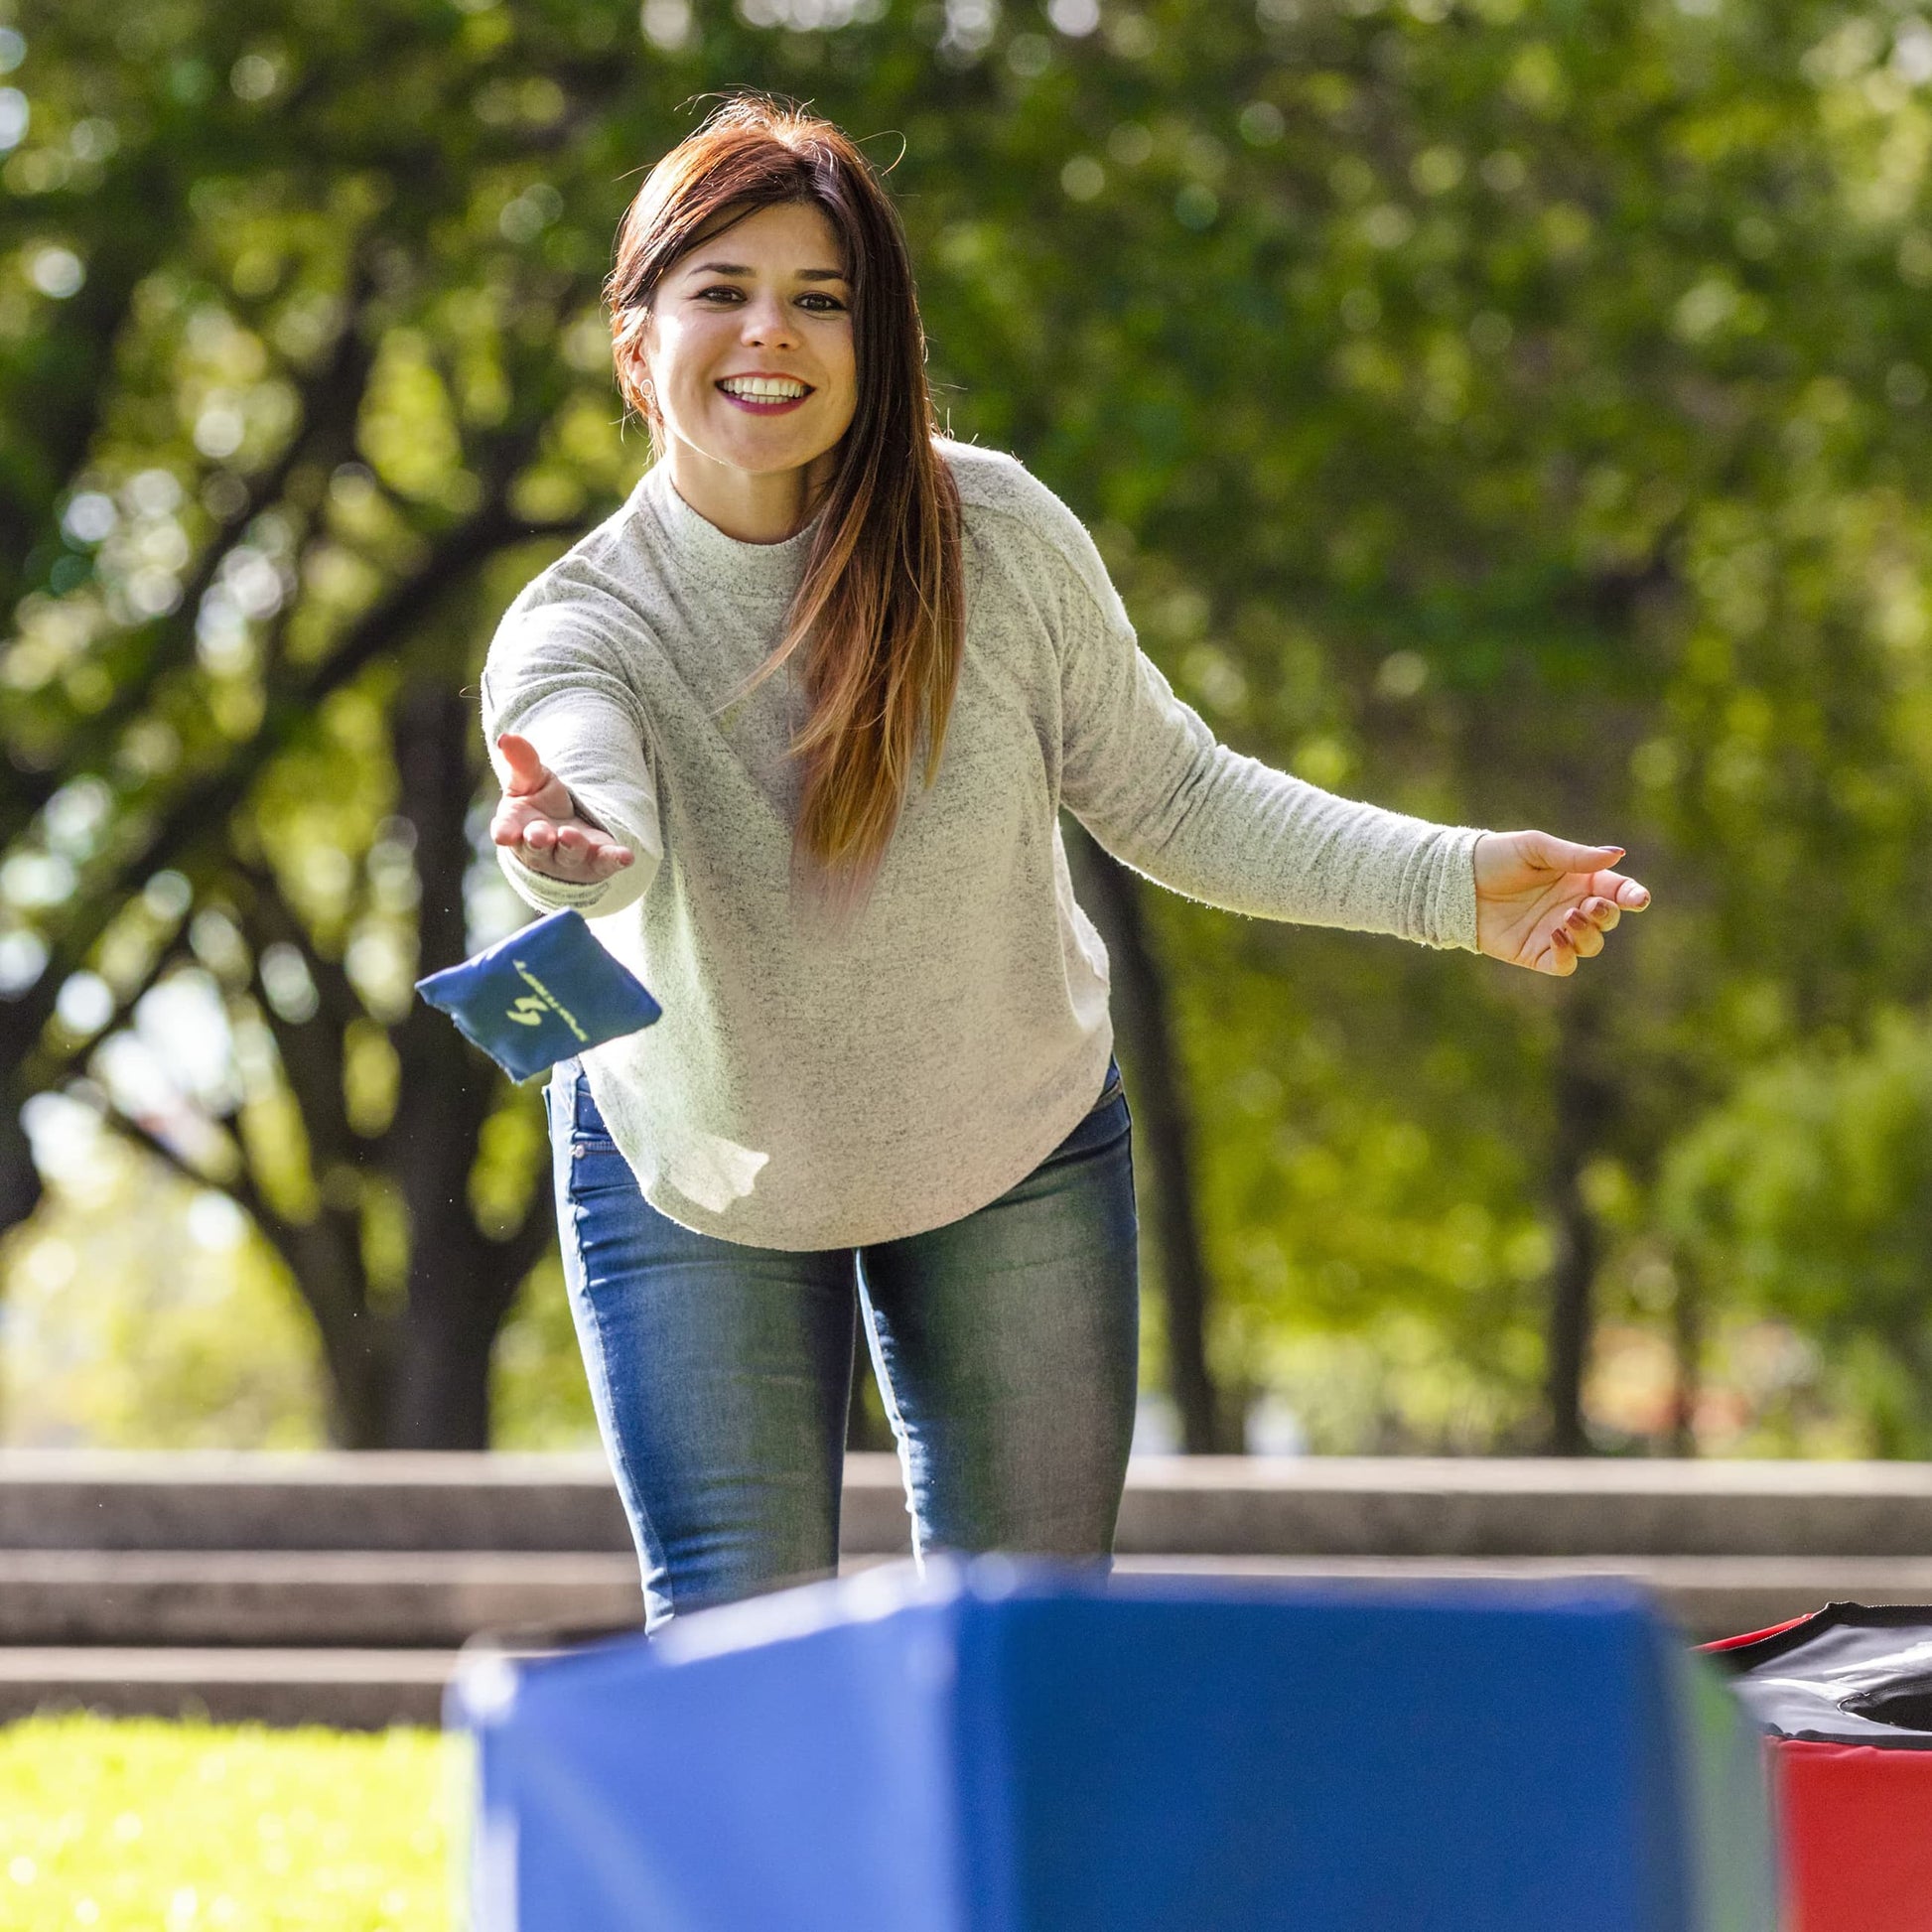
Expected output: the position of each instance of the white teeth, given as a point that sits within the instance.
(763, 389)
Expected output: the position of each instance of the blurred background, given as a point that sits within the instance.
(1513, 413)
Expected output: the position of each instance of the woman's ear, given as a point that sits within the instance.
(630, 349)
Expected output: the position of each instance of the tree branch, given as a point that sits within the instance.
(240, 1187)
(331, 400)
(204, 806)
(312, 1051)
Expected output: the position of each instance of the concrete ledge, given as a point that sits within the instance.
(91, 1500)
(352, 1689)
(321, 1597)
(368, 1688)
(1188, 1505)
(336, 1588)
(1376, 1506)
(118, 1500)
(1708, 1597)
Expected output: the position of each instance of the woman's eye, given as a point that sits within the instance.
(833, 305)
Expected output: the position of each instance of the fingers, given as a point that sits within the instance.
(1580, 932)
(588, 855)
(512, 820)
(567, 850)
(1560, 855)
(1545, 849)
(1575, 929)
(528, 773)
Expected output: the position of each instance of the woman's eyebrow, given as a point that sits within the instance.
(739, 269)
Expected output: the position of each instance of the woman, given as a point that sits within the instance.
(882, 1082)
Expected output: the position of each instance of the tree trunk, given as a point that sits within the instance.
(448, 1330)
(20, 1022)
(358, 1343)
(1687, 1348)
(1151, 1069)
(20, 1180)
(461, 1285)
(1584, 1105)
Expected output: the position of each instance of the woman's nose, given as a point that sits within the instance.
(767, 322)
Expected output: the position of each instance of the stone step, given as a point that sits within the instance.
(216, 1499)
(354, 1607)
(112, 1500)
(368, 1688)
(60, 1499)
(351, 1598)
(1708, 1597)
(1321, 1506)
(351, 1690)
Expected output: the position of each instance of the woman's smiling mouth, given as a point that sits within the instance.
(765, 396)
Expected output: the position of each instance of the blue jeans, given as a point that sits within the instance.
(1005, 1346)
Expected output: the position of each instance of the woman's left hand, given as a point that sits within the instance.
(1543, 902)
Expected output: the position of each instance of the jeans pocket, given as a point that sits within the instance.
(586, 1123)
(587, 1128)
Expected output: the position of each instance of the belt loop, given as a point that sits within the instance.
(583, 1108)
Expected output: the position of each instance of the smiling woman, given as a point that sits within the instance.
(909, 1112)
(761, 255)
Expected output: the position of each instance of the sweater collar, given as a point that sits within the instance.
(763, 570)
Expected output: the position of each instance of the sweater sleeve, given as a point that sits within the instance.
(1145, 774)
(554, 681)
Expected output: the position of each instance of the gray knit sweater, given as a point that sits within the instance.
(804, 1091)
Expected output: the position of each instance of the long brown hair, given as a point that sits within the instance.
(880, 614)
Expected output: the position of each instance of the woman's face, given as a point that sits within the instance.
(764, 299)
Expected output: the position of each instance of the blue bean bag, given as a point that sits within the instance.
(543, 993)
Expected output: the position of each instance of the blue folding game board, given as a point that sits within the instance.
(1018, 1746)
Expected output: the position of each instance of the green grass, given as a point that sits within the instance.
(136, 1825)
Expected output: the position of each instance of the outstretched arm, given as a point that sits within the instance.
(577, 825)
(1145, 776)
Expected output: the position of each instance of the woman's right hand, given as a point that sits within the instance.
(539, 816)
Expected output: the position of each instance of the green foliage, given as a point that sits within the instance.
(134, 1824)
(142, 1313)
(1809, 1197)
